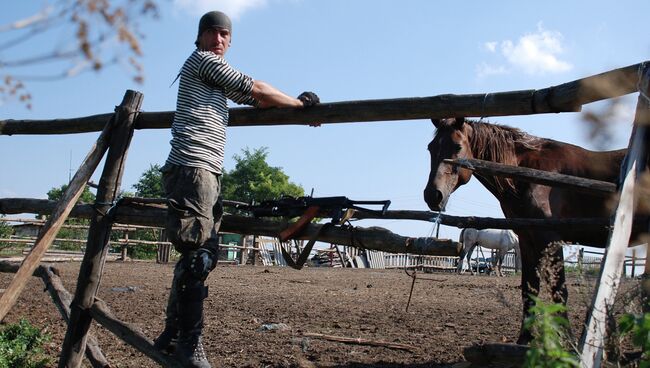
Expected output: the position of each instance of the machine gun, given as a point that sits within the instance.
(332, 207)
(308, 208)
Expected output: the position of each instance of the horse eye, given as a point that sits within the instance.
(457, 147)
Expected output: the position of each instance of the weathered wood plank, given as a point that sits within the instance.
(636, 162)
(596, 187)
(54, 223)
(610, 276)
(564, 97)
(90, 272)
(62, 299)
(130, 334)
(153, 215)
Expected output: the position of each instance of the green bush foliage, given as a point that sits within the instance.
(548, 350)
(21, 346)
(639, 327)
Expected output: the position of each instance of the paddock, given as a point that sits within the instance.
(446, 316)
(115, 139)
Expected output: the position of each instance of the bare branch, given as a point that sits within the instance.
(35, 19)
(95, 26)
(54, 56)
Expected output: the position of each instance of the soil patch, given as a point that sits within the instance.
(260, 316)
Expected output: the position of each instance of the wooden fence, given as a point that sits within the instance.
(117, 131)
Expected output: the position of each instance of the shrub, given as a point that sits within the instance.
(547, 349)
(21, 346)
(639, 327)
(143, 251)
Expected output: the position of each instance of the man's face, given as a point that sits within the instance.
(216, 40)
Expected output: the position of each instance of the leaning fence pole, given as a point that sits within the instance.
(47, 234)
(92, 265)
(635, 161)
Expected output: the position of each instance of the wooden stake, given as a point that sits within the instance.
(54, 223)
(130, 334)
(360, 341)
(90, 272)
(635, 162)
(610, 276)
(62, 298)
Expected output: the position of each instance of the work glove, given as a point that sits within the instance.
(309, 99)
(202, 263)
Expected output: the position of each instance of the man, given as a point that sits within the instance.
(192, 176)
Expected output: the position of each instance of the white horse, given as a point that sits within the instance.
(501, 240)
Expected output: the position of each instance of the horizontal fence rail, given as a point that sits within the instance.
(566, 97)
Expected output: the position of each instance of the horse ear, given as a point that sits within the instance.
(458, 123)
(436, 122)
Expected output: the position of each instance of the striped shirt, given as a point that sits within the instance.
(199, 127)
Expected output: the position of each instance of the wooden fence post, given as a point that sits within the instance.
(645, 280)
(92, 265)
(123, 251)
(164, 250)
(636, 161)
(243, 251)
(59, 215)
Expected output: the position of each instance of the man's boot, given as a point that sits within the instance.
(167, 341)
(189, 350)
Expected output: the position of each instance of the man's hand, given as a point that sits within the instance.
(309, 99)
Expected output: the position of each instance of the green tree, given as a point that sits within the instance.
(87, 196)
(253, 179)
(56, 194)
(150, 184)
(5, 229)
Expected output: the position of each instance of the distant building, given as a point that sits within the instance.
(26, 230)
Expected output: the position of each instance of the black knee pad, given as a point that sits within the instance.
(190, 288)
(202, 262)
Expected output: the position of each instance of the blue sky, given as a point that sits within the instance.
(342, 50)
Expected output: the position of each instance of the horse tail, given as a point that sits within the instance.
(460, 237)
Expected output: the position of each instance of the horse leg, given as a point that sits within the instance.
(461, 260)
(529, 284)
(497, 263)
(500, 257)
(555, 277)
(469, 259)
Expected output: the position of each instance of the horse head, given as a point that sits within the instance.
(452, 141)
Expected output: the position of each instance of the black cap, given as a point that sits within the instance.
(213, 19)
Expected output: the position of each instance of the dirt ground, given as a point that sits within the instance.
(448, 313)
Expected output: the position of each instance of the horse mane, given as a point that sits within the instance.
(498, 143)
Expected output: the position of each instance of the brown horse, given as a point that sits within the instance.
(458, 138)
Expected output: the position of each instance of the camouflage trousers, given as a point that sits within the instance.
(193, 219)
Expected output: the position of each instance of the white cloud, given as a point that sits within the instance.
(535, 53)
(234, 8)
(485, 70)
(491, 46)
